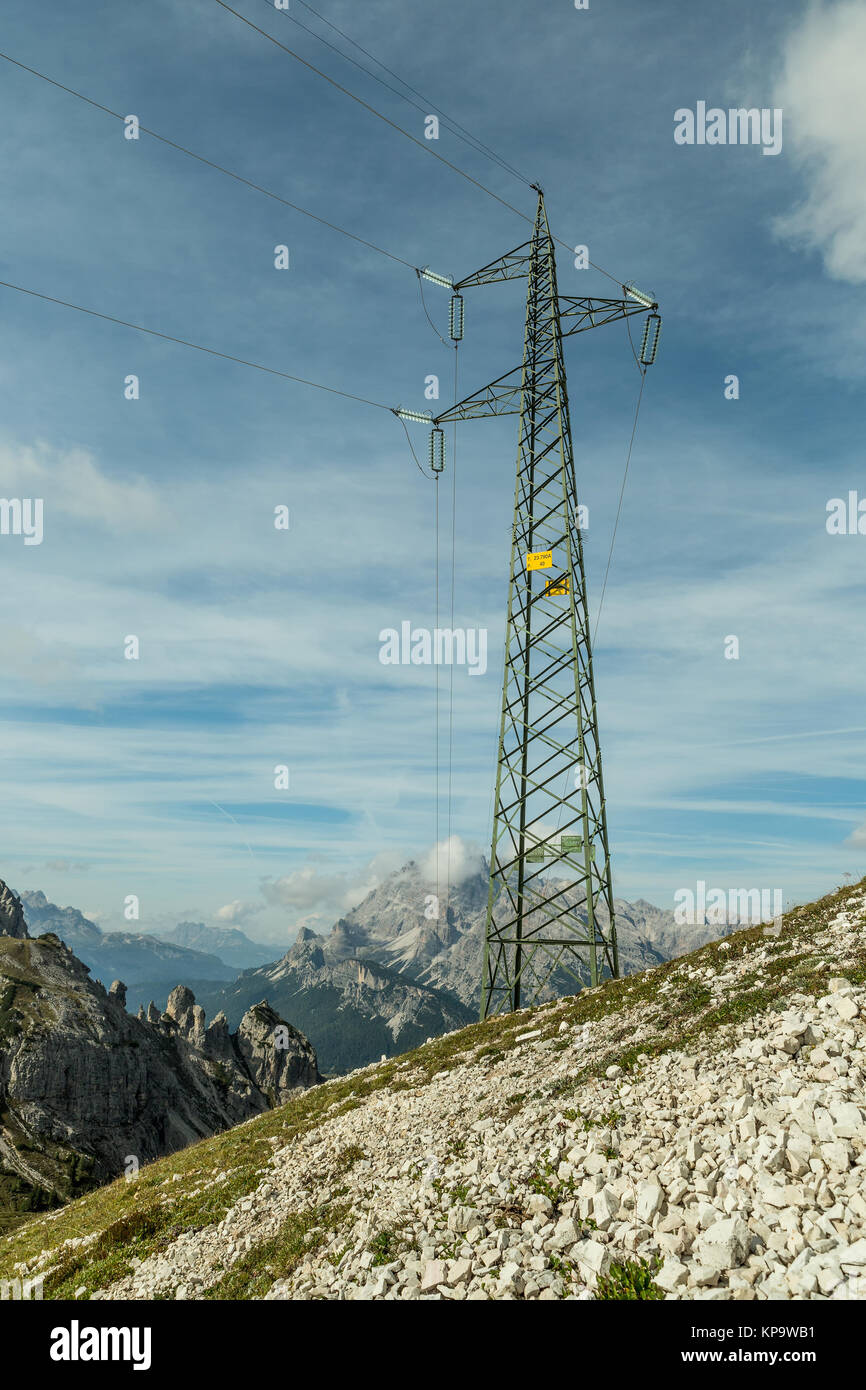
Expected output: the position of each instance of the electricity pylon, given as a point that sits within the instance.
(549, 788)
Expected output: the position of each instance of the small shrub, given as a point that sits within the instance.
(631, 1280)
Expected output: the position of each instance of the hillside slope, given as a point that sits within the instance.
(708, 1113)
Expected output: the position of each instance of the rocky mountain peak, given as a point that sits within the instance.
(12, 921)
(84, 1084)
(306, 950)
(180, 1003)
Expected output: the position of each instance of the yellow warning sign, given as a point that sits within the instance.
(557, 586)
(539, 560)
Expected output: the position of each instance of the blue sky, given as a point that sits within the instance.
(260, 647)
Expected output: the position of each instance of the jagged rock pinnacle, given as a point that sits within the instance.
(11, 914)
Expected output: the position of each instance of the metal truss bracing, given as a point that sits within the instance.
(546, 932)
(511, 266)
(504, 395)
(592, 313)
(545, 929)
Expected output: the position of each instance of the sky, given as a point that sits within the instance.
(259, 648)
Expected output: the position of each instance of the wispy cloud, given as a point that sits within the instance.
(823, 95)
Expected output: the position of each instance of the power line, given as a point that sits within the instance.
(436, 686)
(394, 126)
(211, 164)
(268, 193)
(442, 340)
(619, 506)
(454, 126)
(418, 463)
(185, 342)
(367, 107)
(451, 625)
(230, 173)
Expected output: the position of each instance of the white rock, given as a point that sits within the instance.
(605, 1205)
(462, 1218)
(725, 1244)
(853, 1254)
(847, 1119)
(592, 1258)
(511, 1278)
(672, 1274)
(565, 1234)
(650, 1199)
(845, 1006)
(434, 1275)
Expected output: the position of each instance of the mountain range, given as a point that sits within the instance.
(232, 946)
(387, 977)
(88, 1092)
(150, 965)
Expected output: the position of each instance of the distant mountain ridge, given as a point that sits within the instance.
(357, 1009)
(84, 1086)
(446, 953)
(149, 965)
(66, 922)
(387, 976)
(227, 943)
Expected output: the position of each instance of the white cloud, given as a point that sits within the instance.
(238, 911)
(71, 484)
(304, 889)
(455, 859)
(378, 869)
(858, 839)
(28, 658)
(823, 96)
(326, 896)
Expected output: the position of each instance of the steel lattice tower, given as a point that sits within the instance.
(549, 802)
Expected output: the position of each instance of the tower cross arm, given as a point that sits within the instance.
(578, 315)
(511, 266)
(500, 397)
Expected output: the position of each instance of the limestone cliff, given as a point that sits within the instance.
(87, 1090)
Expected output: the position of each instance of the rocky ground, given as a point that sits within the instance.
(702, 1125)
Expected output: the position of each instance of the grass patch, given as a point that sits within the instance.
(141, 1233)
(630, 1281)
(259, 1269)
(346, 1160)
(387, 1245)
